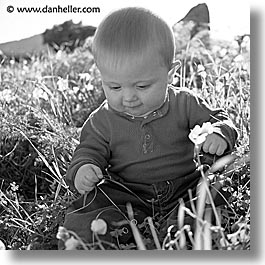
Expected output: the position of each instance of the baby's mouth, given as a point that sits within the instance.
(132, 105)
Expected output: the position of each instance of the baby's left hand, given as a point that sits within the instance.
(214, 144)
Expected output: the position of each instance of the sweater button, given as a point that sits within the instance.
(147, 137)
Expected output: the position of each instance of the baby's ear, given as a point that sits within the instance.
(175, 66)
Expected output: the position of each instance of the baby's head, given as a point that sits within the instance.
(134, 51)
(130, 32)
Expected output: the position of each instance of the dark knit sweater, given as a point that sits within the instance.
(151, 149)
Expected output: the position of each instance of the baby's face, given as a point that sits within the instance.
(138, 86)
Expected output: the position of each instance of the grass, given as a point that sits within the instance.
(44, 102)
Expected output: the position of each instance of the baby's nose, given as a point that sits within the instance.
(129, 94)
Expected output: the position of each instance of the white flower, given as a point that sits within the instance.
(239, 58)
(201, 71)
(84, 76)
(71, 243)
(14, 186)
(76, 89)
(200, 68)
(62, 84)
(62, 233)
(39, 93)
(198, 134)
(99, 226)
(89, 87)
(6, 95)
(2, 245)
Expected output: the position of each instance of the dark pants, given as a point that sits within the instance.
(108, 202)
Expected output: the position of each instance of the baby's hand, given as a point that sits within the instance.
(214, 144)
(86, 178)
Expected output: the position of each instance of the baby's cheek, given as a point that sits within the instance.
(115, 103)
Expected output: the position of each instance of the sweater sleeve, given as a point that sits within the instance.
(199, 111)
(93, 147)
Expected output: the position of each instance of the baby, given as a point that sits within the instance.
(137, 140)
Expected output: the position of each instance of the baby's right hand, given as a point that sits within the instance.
(86, 178)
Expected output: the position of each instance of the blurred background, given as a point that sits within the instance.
(227, 18)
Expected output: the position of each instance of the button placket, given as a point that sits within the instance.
(147, 141)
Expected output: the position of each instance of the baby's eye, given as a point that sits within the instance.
(143, 86)
(115, 87)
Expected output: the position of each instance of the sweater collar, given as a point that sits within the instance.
(160, 112)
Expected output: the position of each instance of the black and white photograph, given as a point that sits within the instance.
(125, 125)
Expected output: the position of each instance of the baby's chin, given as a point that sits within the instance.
(136, 112)
(139, 113)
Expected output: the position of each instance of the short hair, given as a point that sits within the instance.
(131, 31)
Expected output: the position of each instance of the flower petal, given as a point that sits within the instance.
(198, 134)
(71, 243)
(99, 226)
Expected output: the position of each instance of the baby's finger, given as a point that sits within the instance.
(84, 189)
(206, 146)
(97, 172)
(88, 182)
(91, 177)
(220, 150)
(212, 148)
